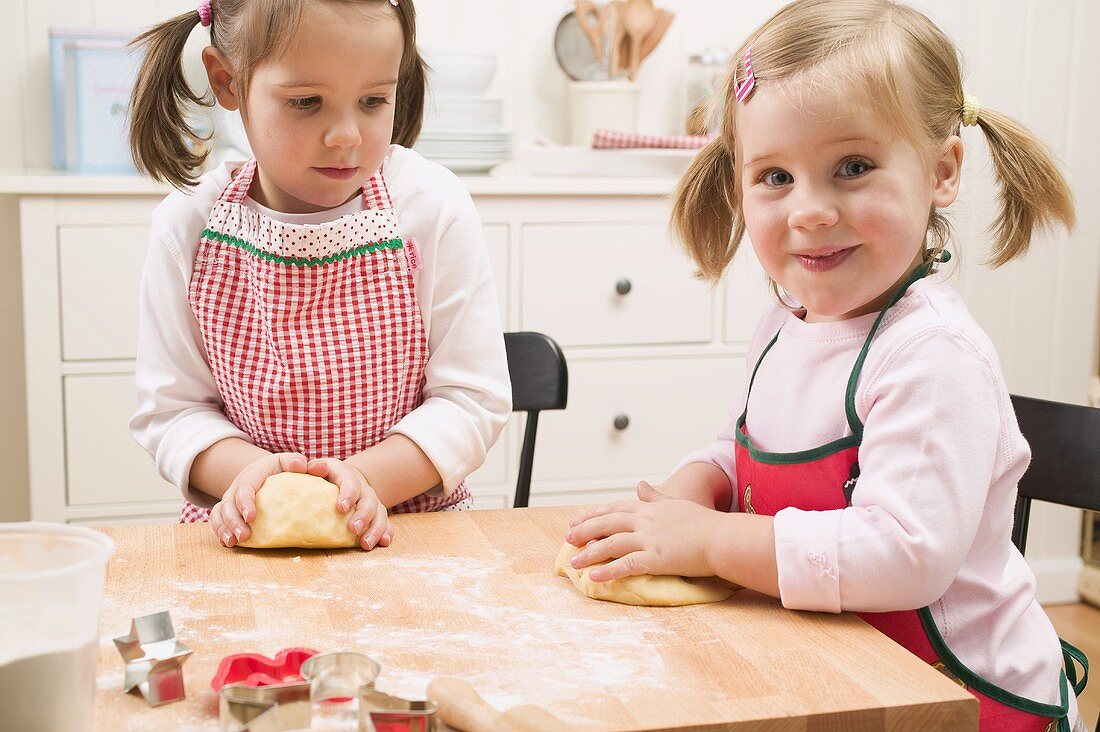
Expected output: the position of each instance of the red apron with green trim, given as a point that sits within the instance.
(313, 332)
(823, 479)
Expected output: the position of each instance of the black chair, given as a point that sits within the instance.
(1065, 461)
(540, 380)
(1065, 458)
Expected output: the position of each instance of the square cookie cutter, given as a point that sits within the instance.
(336, 676)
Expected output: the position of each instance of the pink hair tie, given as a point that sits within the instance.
(744, 89)
(393, 3)
(206, 13)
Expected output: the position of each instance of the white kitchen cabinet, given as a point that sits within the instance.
(589, 262)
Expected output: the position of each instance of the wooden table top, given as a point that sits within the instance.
(473, 595)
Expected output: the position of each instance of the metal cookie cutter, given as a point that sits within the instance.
(392, 714)
(154, 659)
(335, 676)
(271, 708)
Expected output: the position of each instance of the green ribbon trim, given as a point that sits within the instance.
(302, 261)
(971, 679)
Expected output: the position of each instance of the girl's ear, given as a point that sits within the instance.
(221, 78)
(947, 171)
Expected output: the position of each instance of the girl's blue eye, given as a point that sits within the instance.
(374, 102)
(776, 178)
(854, 167)
(304, 102)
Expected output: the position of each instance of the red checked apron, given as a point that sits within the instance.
(313, 332)
(823, 479)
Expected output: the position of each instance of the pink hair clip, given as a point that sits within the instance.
(393, 3)
(206, 13)
(744, 89)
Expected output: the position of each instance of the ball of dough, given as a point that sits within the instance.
(298, 510)
(645, 589)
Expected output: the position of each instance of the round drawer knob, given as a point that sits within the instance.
(623, 286)
(621, 422)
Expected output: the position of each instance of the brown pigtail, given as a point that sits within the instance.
(706, 216)
(1032, 191)
(161, 141)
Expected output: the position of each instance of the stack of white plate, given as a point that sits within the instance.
(463, 129)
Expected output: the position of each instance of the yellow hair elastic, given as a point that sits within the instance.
(970, 111)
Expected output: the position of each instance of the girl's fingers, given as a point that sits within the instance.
(351, 488)
(245, 500)
(293, 462)
(363, 514)
(617, 507)
(231, 515)
(632, 564)
(217, 523)
(649, 494)
(387, 537)
(319, 467)
(377, 527)
(598, 527)
(230, 519)
(613, 547)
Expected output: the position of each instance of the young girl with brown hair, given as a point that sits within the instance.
(328, 306)
(873, 464)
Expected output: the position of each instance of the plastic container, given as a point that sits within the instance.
(51, 589)
(611, 105)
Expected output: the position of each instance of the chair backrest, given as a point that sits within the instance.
(540, 380)
(1065, 458)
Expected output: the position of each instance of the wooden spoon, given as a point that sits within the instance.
(585, 11)
(614, 36)
(663, 21)
(637, 18)
(462, 708)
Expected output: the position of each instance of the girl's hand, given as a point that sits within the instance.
(231, 516)
(369, 521)
(654, 535)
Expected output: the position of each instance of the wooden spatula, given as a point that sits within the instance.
(462, 708)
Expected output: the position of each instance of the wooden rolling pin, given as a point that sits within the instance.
(462, 708)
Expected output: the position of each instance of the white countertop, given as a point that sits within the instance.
(45, 182)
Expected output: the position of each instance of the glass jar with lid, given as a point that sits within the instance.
(705, 75)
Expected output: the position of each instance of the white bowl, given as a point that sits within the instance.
(459, 73)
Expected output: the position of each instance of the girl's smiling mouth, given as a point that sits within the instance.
(826, 260)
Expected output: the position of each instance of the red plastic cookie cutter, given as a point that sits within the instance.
(252, 669)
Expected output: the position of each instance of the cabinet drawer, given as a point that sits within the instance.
(673, 405)
(104, 464)
(611, 284)
(100, 275)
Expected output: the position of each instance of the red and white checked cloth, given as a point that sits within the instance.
(611, 140)
(313, 333)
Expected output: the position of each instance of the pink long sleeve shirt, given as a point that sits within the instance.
(932, 513)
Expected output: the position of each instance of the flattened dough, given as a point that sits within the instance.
(298, 510)
(645, 589)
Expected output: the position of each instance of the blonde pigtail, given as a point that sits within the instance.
(706, 216)
(161, 140)
(1032, 191)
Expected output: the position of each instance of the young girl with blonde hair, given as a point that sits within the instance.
(873, 464)
(328, 306)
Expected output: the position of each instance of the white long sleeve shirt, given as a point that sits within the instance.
(467, 394)
(931, 516)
